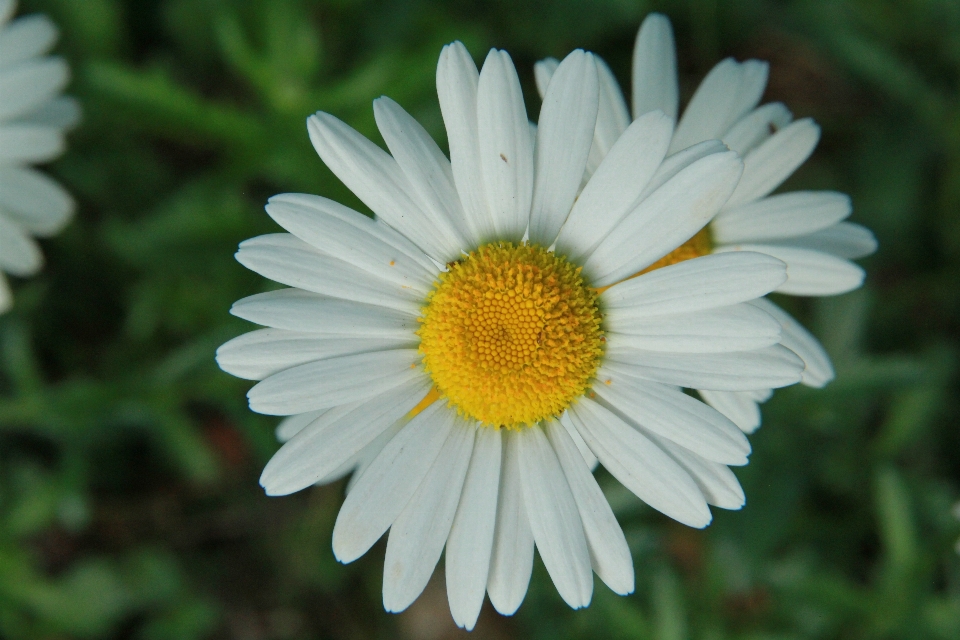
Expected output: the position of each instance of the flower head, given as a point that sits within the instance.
(475, 349)
(805, 229)
(33, 118)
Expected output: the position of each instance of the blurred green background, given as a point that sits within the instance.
(129, 505)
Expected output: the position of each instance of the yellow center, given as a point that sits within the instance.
(511, 335)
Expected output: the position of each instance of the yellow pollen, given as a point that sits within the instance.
(511, 335)
(697, 246)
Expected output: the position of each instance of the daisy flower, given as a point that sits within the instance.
(33, 117)
(804, 229)
(437, 347)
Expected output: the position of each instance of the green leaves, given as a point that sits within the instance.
(96, 594)
(153, 101)
(289, 57)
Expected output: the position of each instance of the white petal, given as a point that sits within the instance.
(736, 405)
(609, 553)
(819, 369)
(25, 38)
(378, 181)
(771, 367)
(565, 130)
(285, 259)
(62, 112)
(29, 84)
(782, 216)
(362, 461)
(613, 117)
(292, 425)
(695, 285)
(298, 310)
(672, 414)
(588, 456)
(347, 235)
(554, 519)
(676, 162)
(19, 254)
(733, 328)
(426, 168)
(332, 382)
(336, 436)
(844, 240)
(386, 487)
(809, 272)
(655, 68)
(7, 8)
(470, 544)
(25, 143)
(6, 296)
(418, 534)
(755, 127)
(665, 220)
(543, 72)
(532, 132)
(506, 147)
(342, 471)
(457, 80)
(615, 187)
(729, 91)
(716, 482)
(768, 165)
(640, 465)
(38, 203)
(299, 472)
(512, 561)
(258, 354)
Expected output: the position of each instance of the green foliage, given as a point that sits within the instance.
(129, 505)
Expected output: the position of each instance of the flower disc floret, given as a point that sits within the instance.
(511, 334)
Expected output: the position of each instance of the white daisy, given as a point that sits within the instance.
(469, 371)
(33, 117)
(805, 229)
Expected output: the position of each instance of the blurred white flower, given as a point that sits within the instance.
(804, 229)
(33, 119)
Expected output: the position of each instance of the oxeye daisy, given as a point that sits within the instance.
(33, 118)
(804, 229)
(474, 349)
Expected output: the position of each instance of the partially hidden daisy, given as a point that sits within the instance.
(804, 229)
(434, 349)
(33, 119)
